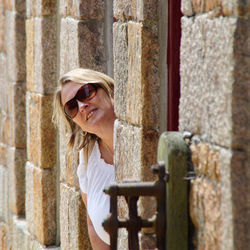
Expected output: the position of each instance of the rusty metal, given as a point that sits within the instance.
(132, 191)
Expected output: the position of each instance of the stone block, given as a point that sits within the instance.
(3, 85)
(240, 175)
(142, 90)
(205, 211)
(4, 236)
(16, 46)
(41, 203)
(3, 155)
(16, 176)
(41, 134)
(3, 194)
(135, 153)
(73, 221)
(82, 45)
(206, 95)
(212, 165)
(40, 8)
(7, 127)
(20, 234)
(137, 10)
(30, 54)
(19, 6)
(42, 60)
(187, 7)
(88, 10)
(17, 92)
(68, 162)
(65, 8)
(2, 26)
(120, 46)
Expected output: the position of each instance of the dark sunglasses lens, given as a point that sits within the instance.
(71, 108)
(86, 92)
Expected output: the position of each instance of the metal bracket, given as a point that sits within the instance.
(135, 223)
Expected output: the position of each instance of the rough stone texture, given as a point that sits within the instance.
(84, 42)
(210, 197)
(120, 41)
(2, 26)
(45, 55)
(16, 45)
(41, 203)
(16, 175)
(41, 134)
(74, 233)
(20, 234)
(136, 10)
(3, 194)
(88, 9)
(135, 163)
(40, 8)
(142, 89)
(68, 164)
(187, 7)
(207, 94)
(3, 236)
(3, 85)
(17, 112)
(85, 10)
(3, 155)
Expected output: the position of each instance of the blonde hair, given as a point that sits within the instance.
(77, 137)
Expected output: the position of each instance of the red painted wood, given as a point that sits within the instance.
(173, 61)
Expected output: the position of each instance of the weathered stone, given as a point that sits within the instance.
(16, 45)
(41, 203)
(84, 41)
(124, 9)
(41, 134)
(206, 96)
(187, 7)
(45, 55)
(4, 236)
(2, 26)
(68, 162)
(7, 127)
(74, 233)
(212, 165)
(87, 10)
(3, 155)
(206, 213)
(135, 152)
(143, 77)
(65, 8)
(3, 194)
(20, 234)
(40, 8)
(3, 85)
(120, 36)
(19, 6)
(17, 92)
(16, 175)
(30, 53)
(137, 10)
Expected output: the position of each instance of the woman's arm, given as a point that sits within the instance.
(96, 242)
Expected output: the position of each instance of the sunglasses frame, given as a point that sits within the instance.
(96, 86)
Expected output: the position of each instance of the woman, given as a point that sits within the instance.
(84, 100)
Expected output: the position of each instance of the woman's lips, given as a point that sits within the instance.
(90, 114)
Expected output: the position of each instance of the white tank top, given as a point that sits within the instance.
(92, 181)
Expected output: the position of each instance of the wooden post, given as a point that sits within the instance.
(173, 150)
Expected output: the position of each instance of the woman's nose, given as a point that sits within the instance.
(82, 105)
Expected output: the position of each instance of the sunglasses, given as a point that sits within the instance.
(84, 93)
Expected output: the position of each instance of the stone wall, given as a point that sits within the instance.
(40, 202)
(214, 106)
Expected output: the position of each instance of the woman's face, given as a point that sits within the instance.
(94, 115)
